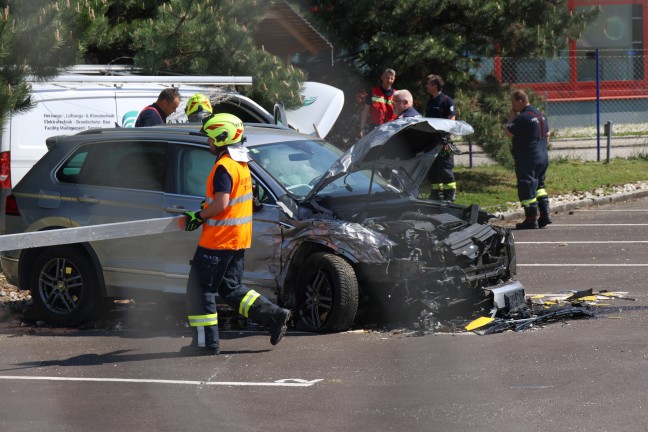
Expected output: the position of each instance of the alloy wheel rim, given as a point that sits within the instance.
(319, 300)
(60, 285)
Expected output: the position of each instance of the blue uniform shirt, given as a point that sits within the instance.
(152, 115)
(409, 112)
(529, 129)
(442, 106)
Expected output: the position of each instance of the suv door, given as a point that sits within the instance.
(123, 181)
(192, 165)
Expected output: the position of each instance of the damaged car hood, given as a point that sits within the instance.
(408, 144)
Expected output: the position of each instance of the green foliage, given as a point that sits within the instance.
(196, 38)
(483, 107)
(36, 38)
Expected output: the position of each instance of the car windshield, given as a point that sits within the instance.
(298, 165)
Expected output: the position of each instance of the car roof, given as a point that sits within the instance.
(257, 133)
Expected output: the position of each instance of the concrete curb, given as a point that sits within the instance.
(584, 203)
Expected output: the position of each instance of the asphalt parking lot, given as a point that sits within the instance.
(574, 375)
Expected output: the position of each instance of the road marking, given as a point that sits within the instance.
(584, 242)
(598, 225)
(583, 265)
(539, 387)
(622, 211)
(287, 382)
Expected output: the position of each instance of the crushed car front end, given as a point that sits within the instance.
(439, 262)
(416, 256)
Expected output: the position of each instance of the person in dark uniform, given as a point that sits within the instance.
(529, 130)
(441, 175)
(226, 220)
(157, 113)
(403, 104)
(379, 108)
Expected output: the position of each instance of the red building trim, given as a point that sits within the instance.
(586, 90)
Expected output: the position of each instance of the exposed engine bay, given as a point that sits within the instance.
(443, 263)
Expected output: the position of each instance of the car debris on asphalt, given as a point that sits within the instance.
(545, 308)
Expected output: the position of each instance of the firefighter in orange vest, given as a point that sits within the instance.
(379, 107)
(226, 220)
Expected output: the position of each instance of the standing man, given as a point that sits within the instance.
(157, 113)
(403, 104)
(441, 175)
(217, 265)
(530, 132)
(378, 108)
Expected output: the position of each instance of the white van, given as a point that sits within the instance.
(72, 103)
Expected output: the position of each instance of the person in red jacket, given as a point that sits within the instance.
(379, 106)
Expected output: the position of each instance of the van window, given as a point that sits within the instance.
(131, 165)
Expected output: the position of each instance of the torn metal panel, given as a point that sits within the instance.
(393, 143)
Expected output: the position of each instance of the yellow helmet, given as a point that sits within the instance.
(224, 129)
(198, 106)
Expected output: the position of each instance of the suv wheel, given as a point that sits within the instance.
(64, 286)
(328, 293)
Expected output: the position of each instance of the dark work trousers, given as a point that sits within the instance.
(543, 172)
(442, 170)
(529, 168)
(220, 272)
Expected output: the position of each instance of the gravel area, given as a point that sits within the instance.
(11, 298)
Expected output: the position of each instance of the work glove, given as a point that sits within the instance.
(193, 220)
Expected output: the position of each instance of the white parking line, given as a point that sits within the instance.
(583, 242)
(598, 224)
(621, 211)
(287, 382)
(583, 265)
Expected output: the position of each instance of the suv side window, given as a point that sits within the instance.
(195, 164)
(131, 165)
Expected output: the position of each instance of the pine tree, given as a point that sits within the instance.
(211, 37)
(36, 39)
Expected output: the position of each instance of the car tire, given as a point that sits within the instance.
(64, 286)
(327, 293)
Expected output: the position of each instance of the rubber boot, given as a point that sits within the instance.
(449, 194)
(436, 194)
(545, 212)
(531, 218)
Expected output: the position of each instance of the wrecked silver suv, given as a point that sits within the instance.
(359, 232)
(336, 233)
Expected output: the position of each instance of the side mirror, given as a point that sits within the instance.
(256, 203)
(279, 114)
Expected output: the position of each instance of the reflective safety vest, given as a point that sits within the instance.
(382, 108)
(231, 229)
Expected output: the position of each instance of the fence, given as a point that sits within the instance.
(584, 91)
